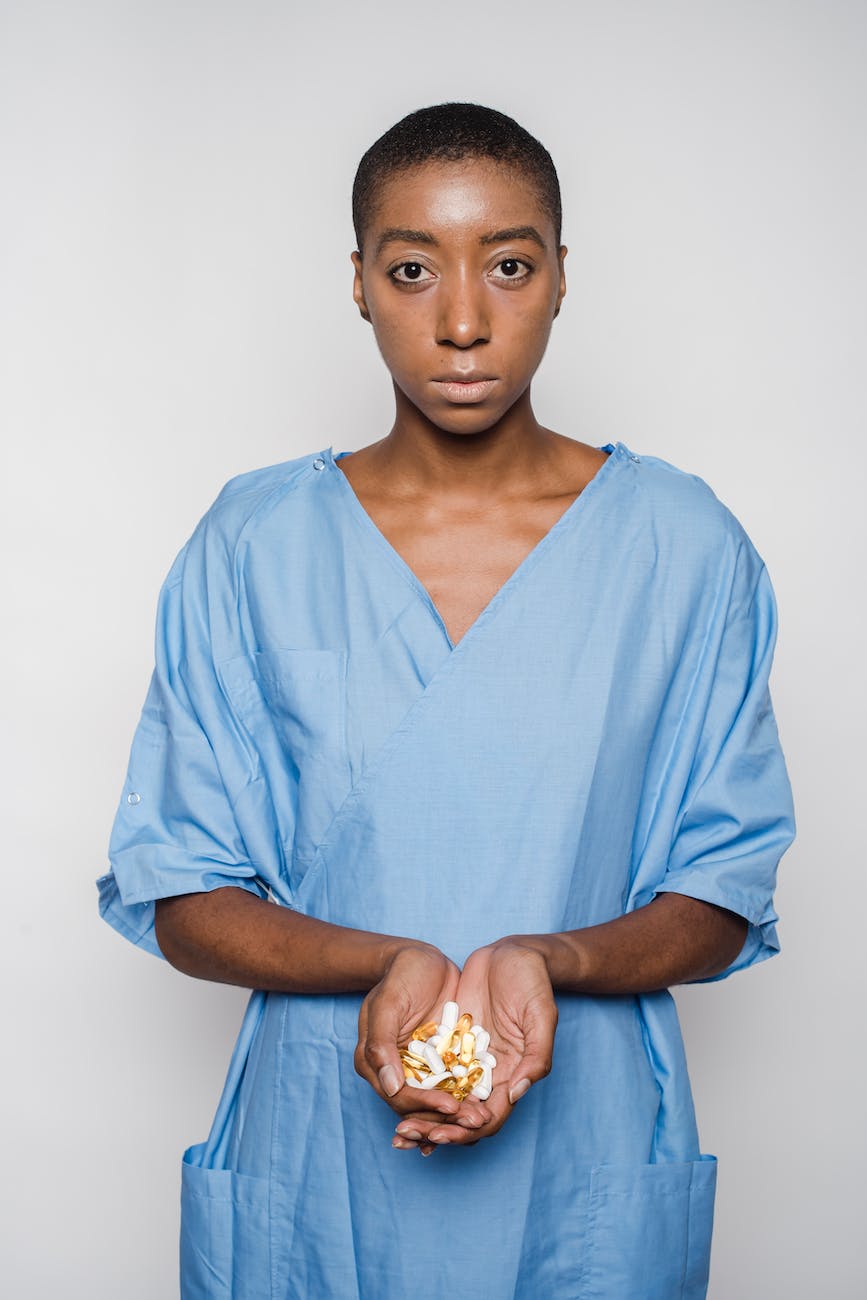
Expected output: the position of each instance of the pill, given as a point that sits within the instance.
(468, 1042)
(416, 1046)
(410, 1072)
(424, 1032)
(447, 1043)
(483, 1038)
(433, 1058)
(464, 1024)
(486, 1058)
(450, 1014)
(460, 1071)
(482, 1091)
(433, 1080)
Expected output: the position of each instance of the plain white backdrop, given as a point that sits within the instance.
(175, 308)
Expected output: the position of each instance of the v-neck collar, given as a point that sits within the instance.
(617, 452)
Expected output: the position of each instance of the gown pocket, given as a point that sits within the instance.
(225, 1252)
(299, 694)
(649, 1231)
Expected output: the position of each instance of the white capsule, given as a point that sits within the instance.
(483, 1038)
(450, 1015)
(460, 1071)
(481, 1090)
(433, 1058)
(432, 1080)
(486, 1058)
(417, 1046)
(486, 1083)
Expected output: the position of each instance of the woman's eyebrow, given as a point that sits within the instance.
(513, 232)
(399, 234)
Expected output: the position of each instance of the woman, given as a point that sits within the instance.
(478, 713)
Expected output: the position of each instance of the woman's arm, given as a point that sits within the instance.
(672, 940)
(231, 936)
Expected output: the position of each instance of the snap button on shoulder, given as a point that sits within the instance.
(319, 463)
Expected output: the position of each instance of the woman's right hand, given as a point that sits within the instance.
(416, 983)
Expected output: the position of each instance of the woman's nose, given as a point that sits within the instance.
(463, 317)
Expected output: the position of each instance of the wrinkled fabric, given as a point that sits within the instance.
(601, 734)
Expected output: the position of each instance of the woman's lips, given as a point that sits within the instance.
(458, 390)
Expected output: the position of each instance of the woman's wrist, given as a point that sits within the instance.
(389, 948)
(561, 954)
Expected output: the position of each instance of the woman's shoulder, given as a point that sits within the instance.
(244, 503)
(685, 509)
(252, 494)
(253, 486)
(684, 499)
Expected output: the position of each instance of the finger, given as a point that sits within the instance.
(418, 1130)
(415, 1117)
(403, 1144)
(451, 1135)
(445, 1132)
(467, 1118)
(473, 1111)
(538, 1052)
(425, 1101)
(377, 1057)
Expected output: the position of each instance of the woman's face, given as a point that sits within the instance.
(460, 278)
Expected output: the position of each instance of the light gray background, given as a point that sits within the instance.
(176, 308)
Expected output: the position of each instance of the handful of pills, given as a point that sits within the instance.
(452, 1055)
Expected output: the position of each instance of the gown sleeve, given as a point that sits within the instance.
(175, 830)
(737, 817)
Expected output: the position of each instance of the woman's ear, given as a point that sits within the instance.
(358, 287)
(561, 292)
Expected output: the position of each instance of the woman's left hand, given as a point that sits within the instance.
(506, 988)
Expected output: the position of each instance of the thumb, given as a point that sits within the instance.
(380, 1048)
(538, 1052)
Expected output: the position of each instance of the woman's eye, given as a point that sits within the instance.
(410, 273)
(511, 268)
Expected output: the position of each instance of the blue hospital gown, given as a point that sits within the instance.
(602, 733)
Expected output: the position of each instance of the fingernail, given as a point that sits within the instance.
(399, 1144)
(389, 1080)
(427, 1153)
(409, 1133)
(517, 1092)
(437, 1135)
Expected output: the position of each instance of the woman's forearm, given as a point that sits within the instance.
(672, 940)
(233, 937)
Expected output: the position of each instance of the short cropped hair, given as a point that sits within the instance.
(450, 133)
